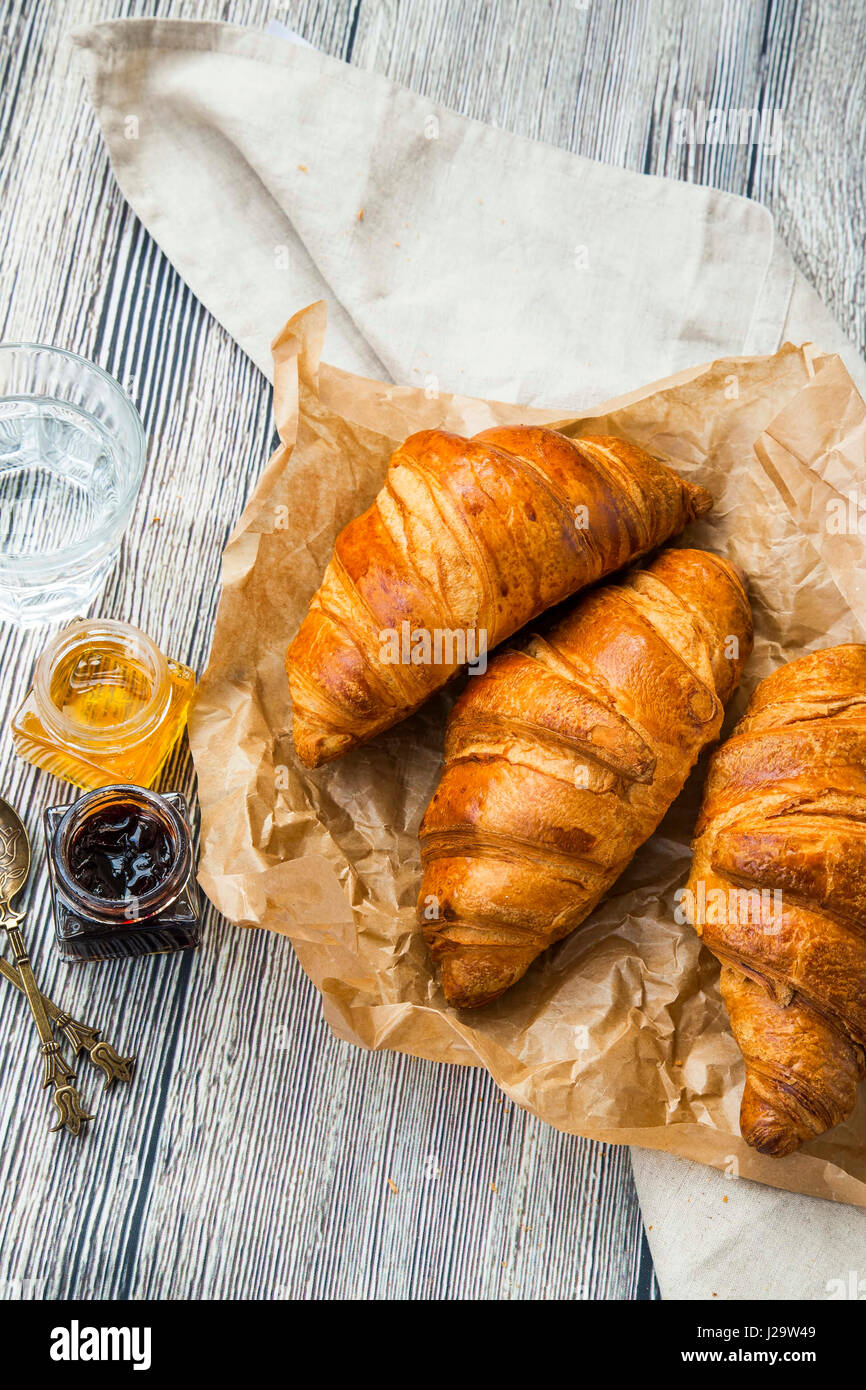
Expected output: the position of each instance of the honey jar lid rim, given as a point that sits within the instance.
(87, 631)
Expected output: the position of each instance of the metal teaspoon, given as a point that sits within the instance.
(82, 1038)
(14, 868)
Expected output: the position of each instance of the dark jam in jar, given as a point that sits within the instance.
(120, 854)
(122, 874)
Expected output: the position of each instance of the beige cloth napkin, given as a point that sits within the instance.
(470, 260)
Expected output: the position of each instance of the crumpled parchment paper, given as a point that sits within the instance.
(617, 1033)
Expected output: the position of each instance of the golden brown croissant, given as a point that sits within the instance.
(778, 893)
(562, 760)
(468, 540)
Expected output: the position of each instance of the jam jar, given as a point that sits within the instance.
(105, 706)
(122, 874)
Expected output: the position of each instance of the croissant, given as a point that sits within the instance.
(562, 759)
(468, 540)
(778, 893)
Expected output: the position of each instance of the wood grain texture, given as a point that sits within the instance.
(253, 1155)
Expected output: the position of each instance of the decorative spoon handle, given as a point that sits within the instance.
(56, 1071)
(82, 1037)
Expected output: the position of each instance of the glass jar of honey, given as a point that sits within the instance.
(122, 872)
(105, 706)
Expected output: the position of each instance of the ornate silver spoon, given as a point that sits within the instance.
(14, 868)
(81, 1037)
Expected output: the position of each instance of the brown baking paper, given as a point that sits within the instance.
(617, 1033)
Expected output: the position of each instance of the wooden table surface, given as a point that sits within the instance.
(255, 1156)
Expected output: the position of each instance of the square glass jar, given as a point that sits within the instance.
(105, 706)
(117, 827)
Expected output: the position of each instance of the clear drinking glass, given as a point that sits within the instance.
(72, 452)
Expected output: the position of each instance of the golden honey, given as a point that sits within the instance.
(105, 706)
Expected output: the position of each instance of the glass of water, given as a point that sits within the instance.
(71, 460)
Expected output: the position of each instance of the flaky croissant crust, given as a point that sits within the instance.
(784, 816)
(467, 536)
(563, 758)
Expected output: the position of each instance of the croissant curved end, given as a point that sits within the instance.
(314, 746)
(473, 977)
(700, 501)
(766, 1128)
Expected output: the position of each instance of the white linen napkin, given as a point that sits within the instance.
(461, 257)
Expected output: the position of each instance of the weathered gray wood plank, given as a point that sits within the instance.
(253, 1156)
